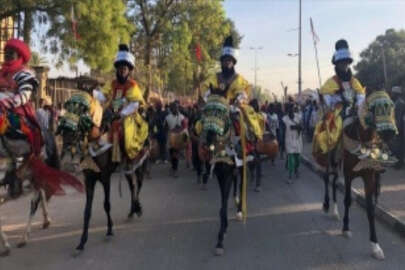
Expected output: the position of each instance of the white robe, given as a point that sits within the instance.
(293, 140)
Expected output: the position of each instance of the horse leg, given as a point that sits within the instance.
(34, 206)
(225, 182)
(239, 215)
(44, 207)
(4, 241)
(376, 250)
(132, 191)
(235, 189)
(206, 175)
(348, 201)
(107, 205)
(335, 212)
(325, 206)
(90, 186)
(139, 182)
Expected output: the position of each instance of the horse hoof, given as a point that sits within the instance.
(108, 237)
(204, 187)
(5, 253)
(325, 209)
(22, 244)
(347, 234)
(77, 252)
(377, 251)
(130, 215)
(219, 251)
(335, 212)
(46, 225)
(239, 216)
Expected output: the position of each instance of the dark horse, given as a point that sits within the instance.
(218, 152)
(358, 141)
(101, 170)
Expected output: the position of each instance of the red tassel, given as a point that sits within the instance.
(50, 179)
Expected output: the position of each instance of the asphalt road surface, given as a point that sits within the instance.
(285, 229)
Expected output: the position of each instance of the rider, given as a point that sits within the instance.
(17, 84)
(234, 87)
(342, 95)
(125, 98)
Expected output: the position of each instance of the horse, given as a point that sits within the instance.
(99, 168)
(361, 134)
(18, 164)
(217, 149)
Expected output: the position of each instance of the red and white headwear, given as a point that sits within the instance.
(20, 47)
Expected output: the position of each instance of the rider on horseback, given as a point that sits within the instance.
(343, 98)
(124, 98)
(17, 83)
(234, 88)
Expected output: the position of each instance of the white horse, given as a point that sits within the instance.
(17, 164)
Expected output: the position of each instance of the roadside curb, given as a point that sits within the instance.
(381, 213)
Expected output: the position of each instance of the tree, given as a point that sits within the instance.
(370, 69)
(201, 24)
(150, 18)
(26, 9)
(101, 26)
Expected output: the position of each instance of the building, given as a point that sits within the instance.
(8, 29)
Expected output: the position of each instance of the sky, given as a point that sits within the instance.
(272, 24)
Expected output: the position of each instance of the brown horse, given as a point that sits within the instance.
(101, 169)
(357, 136)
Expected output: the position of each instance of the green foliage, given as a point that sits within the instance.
(370, 69)
(101, 26)
(198, 22)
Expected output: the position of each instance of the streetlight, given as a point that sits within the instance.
(256, 68)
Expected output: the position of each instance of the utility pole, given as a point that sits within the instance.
(256, 68)
(299, 52)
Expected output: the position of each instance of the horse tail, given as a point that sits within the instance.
(50, 179)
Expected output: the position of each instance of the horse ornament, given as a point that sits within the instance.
(18, 165)
(85, 131)
(362, 150)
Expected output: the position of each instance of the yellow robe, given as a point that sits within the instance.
(329, 130)
(240, 86)
(135, 127)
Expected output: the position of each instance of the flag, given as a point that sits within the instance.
(314, 35)
(74, 24)
(198, 52)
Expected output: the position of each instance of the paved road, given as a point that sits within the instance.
(285, 230)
